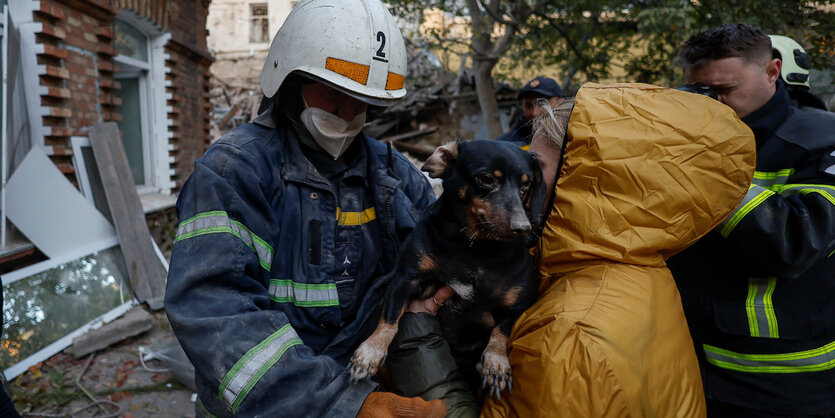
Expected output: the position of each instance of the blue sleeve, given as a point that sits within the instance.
(248, 358)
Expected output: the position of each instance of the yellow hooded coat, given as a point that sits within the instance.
(646, 172)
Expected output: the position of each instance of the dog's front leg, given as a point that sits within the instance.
(495, 367)
(370, 354)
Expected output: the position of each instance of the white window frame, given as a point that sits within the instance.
(265, 18)
(153, 104)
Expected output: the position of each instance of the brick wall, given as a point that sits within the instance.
(77, 37)
(77, 42)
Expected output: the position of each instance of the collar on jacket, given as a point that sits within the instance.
(298, 167)
(765, 120)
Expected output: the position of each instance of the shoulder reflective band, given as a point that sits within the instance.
(755, 196)
(254, 364)
(814, 360)
(217, 222)
(762, 321)
(355, 218)
(770, 178)
(303, 294)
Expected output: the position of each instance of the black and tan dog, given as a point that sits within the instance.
(474, 239)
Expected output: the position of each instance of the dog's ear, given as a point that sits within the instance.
(441, 159)
(536, 202)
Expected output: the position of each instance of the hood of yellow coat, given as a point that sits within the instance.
(646, 171)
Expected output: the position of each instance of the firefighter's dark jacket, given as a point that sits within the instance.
(759, 292)
(521, 133)
(251, 293)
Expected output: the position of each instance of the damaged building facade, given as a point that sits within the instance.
(70, 65)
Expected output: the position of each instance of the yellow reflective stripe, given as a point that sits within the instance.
(218, 221)
(762, 320)
(356, 218)
(817, 359)
(755, 196)
(770, 179)
(769, 308)
(751, 309)
(246, 372)
(526, 147)
(823, 193)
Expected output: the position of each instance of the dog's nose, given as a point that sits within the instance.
(520, 226)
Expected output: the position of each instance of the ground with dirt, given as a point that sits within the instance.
(114, 376)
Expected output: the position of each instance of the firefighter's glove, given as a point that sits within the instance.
(386, 405)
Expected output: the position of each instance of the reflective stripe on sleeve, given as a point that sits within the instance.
(303, 294)
(828, 192)
(219, 222)
(254, 364)
(768, 179)
(755, 196)
(814, 360)
(762, 321)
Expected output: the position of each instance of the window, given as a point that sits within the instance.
(134, 66)
(259, 30)
(144, 125)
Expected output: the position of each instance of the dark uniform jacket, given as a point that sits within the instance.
(759, 292)
(520, 135)
(253, 289)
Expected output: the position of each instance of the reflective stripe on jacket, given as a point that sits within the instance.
(251, 293)
(759, 293)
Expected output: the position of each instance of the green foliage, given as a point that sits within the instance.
(667, 25)
(638, 40)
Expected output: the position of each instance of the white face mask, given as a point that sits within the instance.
(331, 132)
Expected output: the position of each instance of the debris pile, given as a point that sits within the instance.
(441, 105)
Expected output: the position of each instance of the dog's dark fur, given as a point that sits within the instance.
(474, 238)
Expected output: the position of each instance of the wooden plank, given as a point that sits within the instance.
(147, 275)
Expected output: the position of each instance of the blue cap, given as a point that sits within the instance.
(545, 86)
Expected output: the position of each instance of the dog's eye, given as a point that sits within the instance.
(485, 181)
(524, 190)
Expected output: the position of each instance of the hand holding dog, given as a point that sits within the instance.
(431, 304)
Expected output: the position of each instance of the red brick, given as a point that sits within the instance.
(57, 72)
(53, 31)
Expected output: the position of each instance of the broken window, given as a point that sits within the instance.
(44, 303)
(259, 30)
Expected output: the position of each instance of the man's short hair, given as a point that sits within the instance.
(732, 40)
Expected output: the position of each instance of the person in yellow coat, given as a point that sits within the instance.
(646, 172)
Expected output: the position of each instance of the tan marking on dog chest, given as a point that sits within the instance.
(488, 319)
(426, 262)
(512, 295)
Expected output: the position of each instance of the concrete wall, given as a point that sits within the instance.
(229, 26)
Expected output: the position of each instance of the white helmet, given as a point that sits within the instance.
(796, 62)
(354, 46)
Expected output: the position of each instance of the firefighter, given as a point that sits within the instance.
(290, 226)
(539, 88)
(758, 290)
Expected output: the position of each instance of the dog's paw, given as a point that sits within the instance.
(496, 373)
(365, 362)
